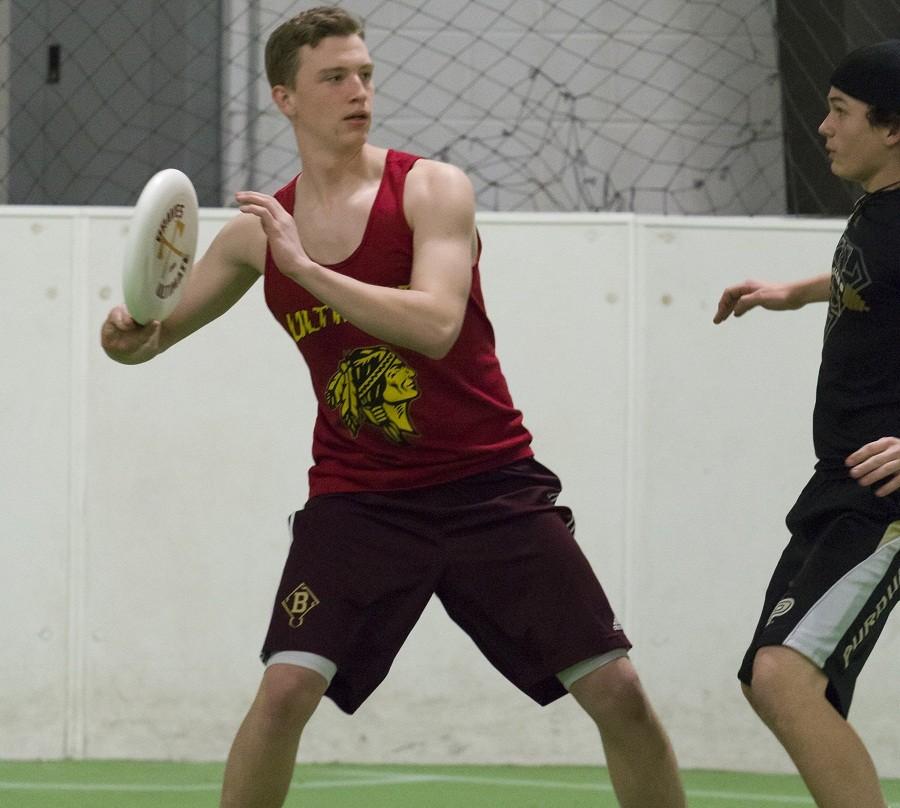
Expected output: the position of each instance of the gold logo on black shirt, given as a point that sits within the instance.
(853, 300)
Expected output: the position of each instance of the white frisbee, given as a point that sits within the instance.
(162, 242)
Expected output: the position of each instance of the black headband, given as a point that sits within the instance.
(872, 74)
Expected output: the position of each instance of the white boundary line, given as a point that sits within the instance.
(148, 788)
(364, 778)
(372, 779)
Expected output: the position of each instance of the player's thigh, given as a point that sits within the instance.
(527, 595)
(350, 565)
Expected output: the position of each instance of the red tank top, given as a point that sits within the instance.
(390, 418)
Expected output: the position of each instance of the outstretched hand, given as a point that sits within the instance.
(126, 340)
(280, 230)
(876, 462)
(742, 297)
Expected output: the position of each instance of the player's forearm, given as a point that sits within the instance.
(811, 290)
(409, 320)
(208, 296)
(427, 322)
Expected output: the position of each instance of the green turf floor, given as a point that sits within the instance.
(125, 784)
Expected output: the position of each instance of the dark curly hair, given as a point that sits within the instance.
(882, 117)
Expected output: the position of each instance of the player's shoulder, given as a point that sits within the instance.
(427, 169)
(431, 182)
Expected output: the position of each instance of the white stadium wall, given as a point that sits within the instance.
(142, 510)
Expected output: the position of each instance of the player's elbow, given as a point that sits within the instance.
(437, 350)
(440, 341)
(436, 354)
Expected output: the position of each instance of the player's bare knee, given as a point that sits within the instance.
(770, 674)
(784, 682)
(290, 693)
(613, 695)
(765, 706)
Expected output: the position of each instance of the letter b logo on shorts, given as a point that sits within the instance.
(298, 604)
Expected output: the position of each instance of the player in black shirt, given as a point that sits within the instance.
(839, 577)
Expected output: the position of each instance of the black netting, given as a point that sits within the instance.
(671, 106)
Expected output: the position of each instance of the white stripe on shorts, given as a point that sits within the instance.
(569, 676)
(321, 665)
(817, 634)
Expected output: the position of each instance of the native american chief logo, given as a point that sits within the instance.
(375, 386)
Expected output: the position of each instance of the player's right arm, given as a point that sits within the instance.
(742, 297)
(231, 265)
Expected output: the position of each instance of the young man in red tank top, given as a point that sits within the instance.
(423, 481)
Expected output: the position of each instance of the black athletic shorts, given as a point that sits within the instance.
(836, 583)
(494, 547)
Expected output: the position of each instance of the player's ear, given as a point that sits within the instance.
(284, 99)
(890, 129)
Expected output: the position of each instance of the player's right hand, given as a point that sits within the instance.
(126, 340)
(742, 297)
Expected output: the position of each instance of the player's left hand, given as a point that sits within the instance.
(877, 461)
(280, 229)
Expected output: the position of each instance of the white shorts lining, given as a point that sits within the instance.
(302, 659)
(570, 675)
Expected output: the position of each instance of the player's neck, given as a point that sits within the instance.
(327, 173)
(886, 178)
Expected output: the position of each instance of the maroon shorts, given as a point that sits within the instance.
(494, 547)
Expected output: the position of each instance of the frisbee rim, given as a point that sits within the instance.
(142, 272)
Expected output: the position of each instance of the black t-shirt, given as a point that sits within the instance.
(858, 393)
